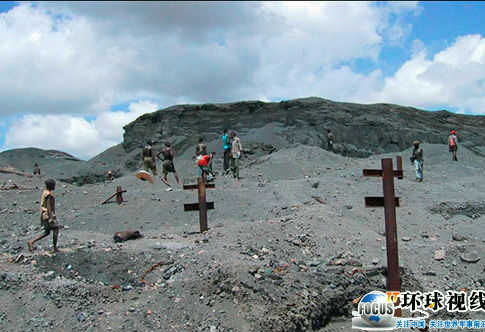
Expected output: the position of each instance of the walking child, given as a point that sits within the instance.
(48, 218)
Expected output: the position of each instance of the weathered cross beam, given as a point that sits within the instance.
(389, 202)
(119, 196)
(203, 205)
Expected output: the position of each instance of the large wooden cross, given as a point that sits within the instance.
(389, 202)
(202, 206)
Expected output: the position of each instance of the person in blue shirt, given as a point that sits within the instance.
(227, 150)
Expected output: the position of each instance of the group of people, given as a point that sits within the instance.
(232, 153)
(231, 145)
(417, 155)
(150, 163)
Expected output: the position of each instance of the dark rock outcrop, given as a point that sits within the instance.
(360, 130)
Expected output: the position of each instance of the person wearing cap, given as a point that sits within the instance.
(417, 159)
(453, 144)
(148, 156)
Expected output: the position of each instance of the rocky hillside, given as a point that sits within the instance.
(360, 130)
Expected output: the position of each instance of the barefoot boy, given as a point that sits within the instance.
(48, 219)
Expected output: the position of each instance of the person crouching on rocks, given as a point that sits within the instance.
(417, 159)
(48, 218)
(168, 166)
(204, 170)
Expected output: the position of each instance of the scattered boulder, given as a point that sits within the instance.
(439, 254)
(127, 235)
(458, 237)
(470, 257)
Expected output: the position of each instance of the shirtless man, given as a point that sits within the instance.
(168, 166)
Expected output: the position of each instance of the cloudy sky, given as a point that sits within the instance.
(72, 74)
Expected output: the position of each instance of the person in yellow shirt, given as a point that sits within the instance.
(48, 218)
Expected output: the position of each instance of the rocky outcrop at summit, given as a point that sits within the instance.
(360, 130)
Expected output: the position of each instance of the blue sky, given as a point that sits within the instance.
(79, 79)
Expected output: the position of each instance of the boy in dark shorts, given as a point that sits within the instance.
(48, 218)
(168, 166)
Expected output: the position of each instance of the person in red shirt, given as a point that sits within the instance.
(203, 163)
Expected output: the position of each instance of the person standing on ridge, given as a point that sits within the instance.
(418, 160)
(168, 166)
(236, 149)
(48, 218)
(36, 169)
(453, 144)
(227, 150)
(148, 157)
(330, 139)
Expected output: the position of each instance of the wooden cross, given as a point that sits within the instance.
(389, 202)
(203, 205)
(119, 196)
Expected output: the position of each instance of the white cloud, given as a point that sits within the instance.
(455, 76)
(74, 134)
(81, 58)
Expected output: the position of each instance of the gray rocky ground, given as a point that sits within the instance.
(274, 259)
